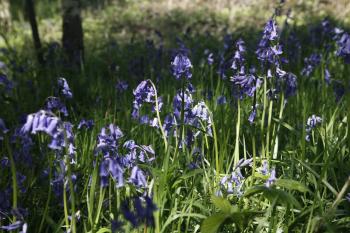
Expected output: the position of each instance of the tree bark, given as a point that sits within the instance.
(73, 38)
(29, 5)
(5, 15)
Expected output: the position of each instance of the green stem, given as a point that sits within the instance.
(268, 157)
(14, 176)
(72, 196)
(48, 197)
(65, 206)
(158, 116)
(216, 152)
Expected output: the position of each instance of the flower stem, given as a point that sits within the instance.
(158, 116)
(14, 176)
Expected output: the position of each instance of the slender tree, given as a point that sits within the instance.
(30, 10)
(73, 38)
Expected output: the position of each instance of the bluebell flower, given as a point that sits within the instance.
(291, 84)
(116, 226)
(20, 182)
(182, 98)
(311, 63)
(138, 177)
(88, 124)
(233, 183)
(344, 47)
(116, 165)
(347, 197)
(148, 149)
(201, 112)
(143, 211)
(145, 93)
(3, 129)
(311, 123)
(144, 119)
(46, 122)
(2, 65)
(122, 85)
(272, 179)
(327, 76)
(293, 46)
(4, 81)
(64, 88)
(221, 100)
(117, 171)
(244, 163)
(270, 30)
(210, 59)
(129, 215)
(22, 152)
(5, 199)
(104, 173)
(54, 103)
(248, 84)
(197, 159)
(168, 125)
(41, 121)
(181, 66)
(222, 66)
(339, 90)
(327, 28)
(207, 94)
(264, 170)
(267, 52)
(252, 115)
(238, 59)
(16, 226)
(108, 140)
(130, 144)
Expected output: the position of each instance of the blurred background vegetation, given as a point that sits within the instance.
(125, 20)
(118, 34)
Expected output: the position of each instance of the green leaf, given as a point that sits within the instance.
(103, 230)
(222, 204)
(292, 185)
(212, 223)
(242, 218)
(191, 174)
(272, 194)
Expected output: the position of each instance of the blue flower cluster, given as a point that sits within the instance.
(344, 47)
(233, 183)
(181, 66)
(264, 170)
(61, 133)
(88, 124)
(117, 165)
(143, 211)
(311, 123)
(64, 88)
(145, 92)
(311, 63)
(267, 52)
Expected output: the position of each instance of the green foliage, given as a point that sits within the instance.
(307, 194)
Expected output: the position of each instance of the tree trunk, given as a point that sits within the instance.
(72, 39)
(35, 32)
(5, 15)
